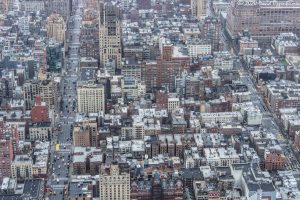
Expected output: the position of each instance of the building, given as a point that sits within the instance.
(221, 117)
(89, 40)
(212, 32)
(263, 19)
(21, 167)
(198, 47)
(170, 64)
(274, 160)
(47, 89)
(39, 112)
(286, 43)
(198, 8)
(23, 25)
(283, 94)
(87, 160)
(86, 134)
(173, 104)
(4, 6)
(223, 60)
(6, 157)
(40, 131)
(114, 183)
(110, 34)
(90, 97)
(297, 140)
(54, 56)
(144, 4)
(33, 6)
(56, 28)
(61, 7)
(221, 156)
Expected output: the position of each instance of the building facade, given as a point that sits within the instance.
(91, 97)
(56, 28)
(198, 8)
(110, 34)
(114, 184)
(263, 19)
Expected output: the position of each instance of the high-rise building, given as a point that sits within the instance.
(91, 97)
(263, 19)
(114, 183)
(61, 7)
(198, 8)
(170, 64)
(212, 32)
(89, 43)
(56, 28)
(54, 56)
(110, 46)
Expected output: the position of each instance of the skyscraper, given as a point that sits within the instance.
(56, 27)
(110, 33)
(114, 183)
(198, 8)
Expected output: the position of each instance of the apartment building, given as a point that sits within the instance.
(21, 167)
(40, 131)
(91, 97)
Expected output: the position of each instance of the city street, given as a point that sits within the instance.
(62, 145)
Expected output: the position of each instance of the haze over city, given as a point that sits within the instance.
(149, 99)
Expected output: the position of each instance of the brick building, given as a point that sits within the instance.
(263, 19)
(39, 112)
(274, 161)
(170, 64)
(6, 157)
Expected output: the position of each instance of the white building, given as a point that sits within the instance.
(223, 60)
(221, 117)
(221, 156)
(23, 24)
(40, 131)
(21, 167)
(197, 47)
(173, 103)
(90, 97)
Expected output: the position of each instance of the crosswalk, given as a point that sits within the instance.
(64, 150)
(65, 144)
(55, 187)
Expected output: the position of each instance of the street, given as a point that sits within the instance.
(61, 148)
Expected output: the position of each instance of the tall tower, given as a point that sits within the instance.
(114, 183)
(198, 8)
(110, 46)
